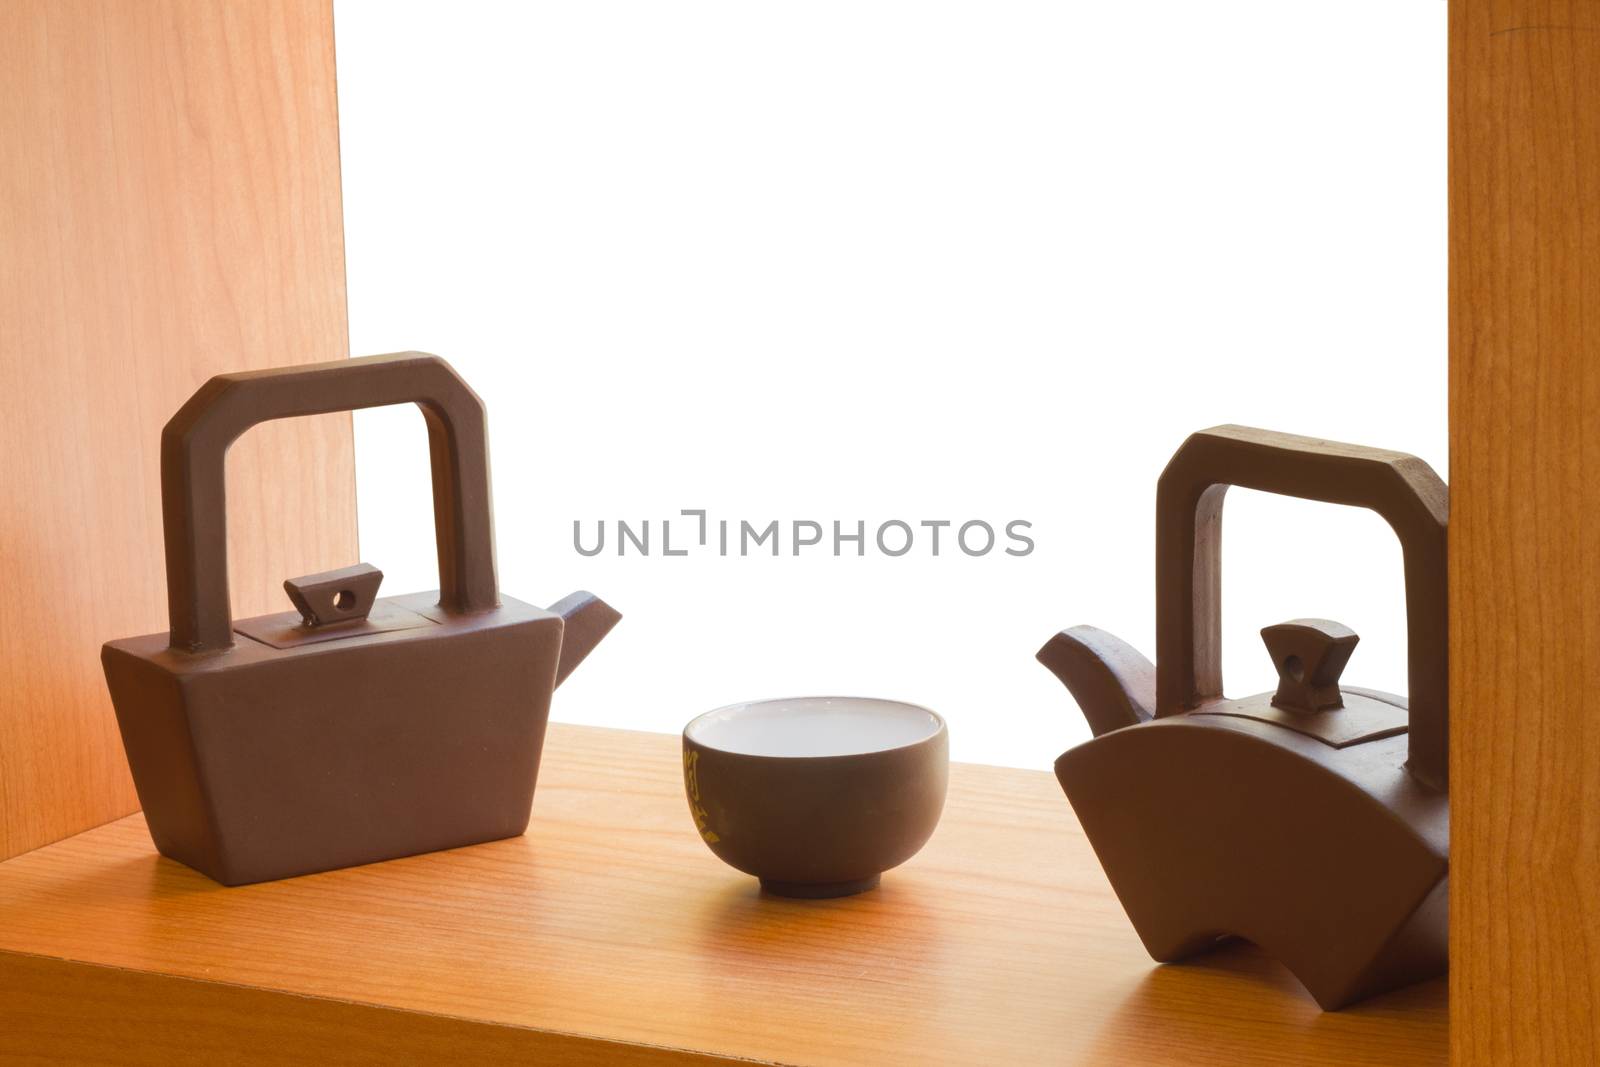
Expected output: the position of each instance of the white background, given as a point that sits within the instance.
(917, 261)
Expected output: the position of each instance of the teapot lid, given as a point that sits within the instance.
(1310, 655)
(331, 606)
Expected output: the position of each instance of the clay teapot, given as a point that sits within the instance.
(352, 728)
(1313, 820)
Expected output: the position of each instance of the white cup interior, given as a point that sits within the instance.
(814, 726)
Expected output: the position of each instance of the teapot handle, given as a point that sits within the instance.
(1401, 488)
(194, 446)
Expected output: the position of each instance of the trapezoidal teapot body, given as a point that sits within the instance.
(353, 728)
(1313, 820)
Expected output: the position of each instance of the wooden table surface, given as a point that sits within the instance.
(609, 934)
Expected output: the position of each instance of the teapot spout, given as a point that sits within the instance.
(587, 619)
(1113, 684)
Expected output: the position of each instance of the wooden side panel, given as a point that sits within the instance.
(1525, 531)
(169, 208)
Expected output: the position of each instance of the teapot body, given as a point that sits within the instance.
(1211, 825)
(259, 762)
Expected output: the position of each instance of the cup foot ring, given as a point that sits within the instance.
(819, 890)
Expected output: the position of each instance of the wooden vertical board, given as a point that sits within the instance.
(1525, 531)
(169, 209)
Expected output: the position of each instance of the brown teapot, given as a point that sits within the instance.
(353, 728)
(1313, 820)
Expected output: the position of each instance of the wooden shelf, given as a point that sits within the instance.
(609, 934)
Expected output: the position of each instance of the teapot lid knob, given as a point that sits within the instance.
(1309, 654)
(332, 597)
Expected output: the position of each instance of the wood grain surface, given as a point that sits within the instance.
(610, 929)
(78, 1013)
(169, 209)
(1525, 531)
